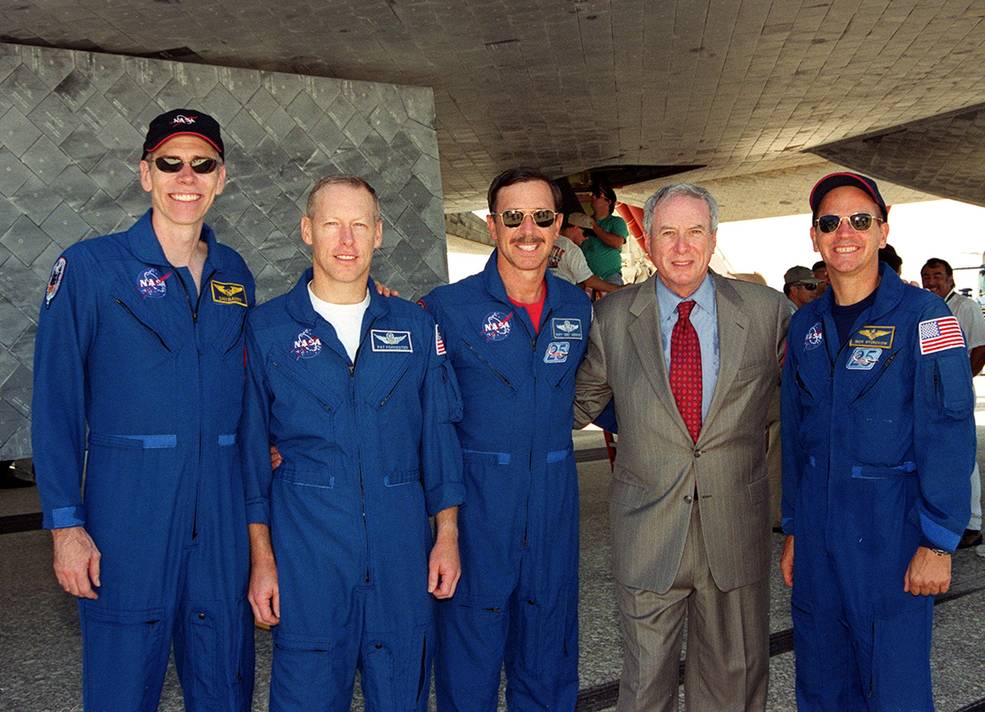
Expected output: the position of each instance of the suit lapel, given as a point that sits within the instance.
(645, 333)
(733, 326)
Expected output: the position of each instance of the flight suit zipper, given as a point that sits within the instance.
(530, 450)
(194, 308)
(367, 579)
(530, 446)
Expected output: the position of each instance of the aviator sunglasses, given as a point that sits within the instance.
(859, 221)
(171, 164)
(514, 218)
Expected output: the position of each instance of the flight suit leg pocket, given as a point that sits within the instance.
(809, 677)
(202, 651)
(901, 657)
(308, 674)
(826, 674)
(396, 671)
(125, 657)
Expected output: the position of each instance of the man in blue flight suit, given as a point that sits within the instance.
(878, 434)
(139, 360)
(515, 336)
(356, 393)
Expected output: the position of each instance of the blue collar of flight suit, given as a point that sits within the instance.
(889, 293)
(493, 285)
(145, 246)
(300, 309)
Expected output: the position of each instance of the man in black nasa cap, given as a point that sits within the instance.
(139, 362)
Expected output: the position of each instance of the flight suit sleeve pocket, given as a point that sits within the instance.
(953, 389)
(134, 640)
(452, 396)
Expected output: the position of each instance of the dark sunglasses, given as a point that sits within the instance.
(170, 164)
(808, 287)
(514, 218)
(858, 221)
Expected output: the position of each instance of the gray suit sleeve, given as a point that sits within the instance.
(592, 390)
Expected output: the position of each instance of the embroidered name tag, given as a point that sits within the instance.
(228, 293)
(565, 328)
(391, 341)
(873, 337)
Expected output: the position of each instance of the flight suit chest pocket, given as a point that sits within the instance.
(290, 379)
(142, 323)
(394, 374)
(479, 366)
(559, 359)
(229, 329)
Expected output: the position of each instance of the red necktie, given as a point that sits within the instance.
(685, 369)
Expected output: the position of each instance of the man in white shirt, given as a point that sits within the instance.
(568, 262)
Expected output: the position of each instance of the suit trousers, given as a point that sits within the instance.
(727, 639)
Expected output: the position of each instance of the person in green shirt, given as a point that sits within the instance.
(602, 249)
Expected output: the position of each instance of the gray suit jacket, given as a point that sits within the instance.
(657, 465)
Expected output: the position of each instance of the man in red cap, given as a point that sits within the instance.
(878, 441)
(138, 383)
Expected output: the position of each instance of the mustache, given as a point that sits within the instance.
(527, 240)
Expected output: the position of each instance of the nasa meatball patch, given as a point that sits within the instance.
(151, 285)
(496, 326)
(55, 280)
(306, 345)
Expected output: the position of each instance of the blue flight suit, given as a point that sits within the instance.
(132, 364)
(518, 532)
(369, 450)
(877, 440)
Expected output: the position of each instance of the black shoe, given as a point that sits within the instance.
(971, 537)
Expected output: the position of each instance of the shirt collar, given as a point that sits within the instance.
(703, 297)
(299, 302)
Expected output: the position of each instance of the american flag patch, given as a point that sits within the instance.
(940, 334)
(439, 343)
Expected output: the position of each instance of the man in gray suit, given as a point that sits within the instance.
(692, 362)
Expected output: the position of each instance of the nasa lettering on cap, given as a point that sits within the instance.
(183, 122)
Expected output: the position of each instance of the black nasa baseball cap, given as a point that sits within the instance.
(183, 122)
(846, 178)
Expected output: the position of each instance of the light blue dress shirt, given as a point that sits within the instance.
(704, 318)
